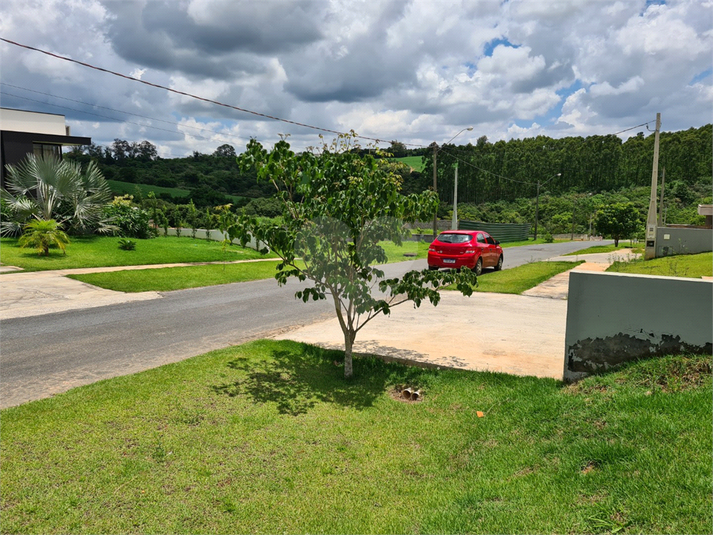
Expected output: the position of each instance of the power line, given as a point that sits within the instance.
(106, 108)
(190, 95)
(484, 170)
(637, 126)
(225, 138)
(220, 135)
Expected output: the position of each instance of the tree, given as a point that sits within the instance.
(397, 149)
(47, 188)
(618, 221)
(225, 151)
(120, 149)
(337, 207)
(145, 151)
(41, 234)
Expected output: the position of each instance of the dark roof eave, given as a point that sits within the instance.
(49, 138)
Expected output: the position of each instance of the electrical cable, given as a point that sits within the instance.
(190, 95)
(106, 108)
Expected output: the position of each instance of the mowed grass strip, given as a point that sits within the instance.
(100, 251)
(268, 437)
(694, 265)
(521, 278)
(179, 278)
(605, 249)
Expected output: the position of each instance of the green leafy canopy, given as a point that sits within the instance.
(337, 206)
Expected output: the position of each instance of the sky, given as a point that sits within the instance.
(407, 70)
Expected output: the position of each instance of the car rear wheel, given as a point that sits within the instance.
(478, 267)
(499, 265)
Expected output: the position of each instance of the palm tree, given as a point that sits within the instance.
(41, 234)
(46, 187)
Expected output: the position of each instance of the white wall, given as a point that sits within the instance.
(34, 122)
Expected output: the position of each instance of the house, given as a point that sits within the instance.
(23, 132)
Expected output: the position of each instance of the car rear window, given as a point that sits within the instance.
(454, 238)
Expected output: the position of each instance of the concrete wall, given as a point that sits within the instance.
(617, 317)
(672, 240)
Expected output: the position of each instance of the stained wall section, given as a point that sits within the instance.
(616, 317)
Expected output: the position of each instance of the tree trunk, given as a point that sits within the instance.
(616, 242)
(348, 341)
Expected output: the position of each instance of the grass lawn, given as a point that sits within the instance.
(269, 438)
(96, 251)
(122, 188)
(608, 249)
(414, 250)
(414, 162)
(694, 265)
(178, 278)
(519, 279)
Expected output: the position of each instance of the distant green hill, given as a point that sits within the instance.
(414, 162)
(122, 188)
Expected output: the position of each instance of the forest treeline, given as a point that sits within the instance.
(497, 182)
(508, 170)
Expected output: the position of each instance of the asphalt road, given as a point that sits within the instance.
(44, 355)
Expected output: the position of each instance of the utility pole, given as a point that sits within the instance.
(435, 187)
(650, 251)
(537, 207)
(663, 180)
(454, 223)
(537, 200)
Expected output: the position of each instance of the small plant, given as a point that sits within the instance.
(126, 244)
(41, 234)
(549, 238)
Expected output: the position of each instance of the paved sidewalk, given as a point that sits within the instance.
(558, 286)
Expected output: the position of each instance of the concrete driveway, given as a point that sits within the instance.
(512, 334)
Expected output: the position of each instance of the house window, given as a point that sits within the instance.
(45, 150)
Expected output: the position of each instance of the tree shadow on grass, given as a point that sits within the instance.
(297, 380)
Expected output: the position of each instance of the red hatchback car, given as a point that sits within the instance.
(474, 249)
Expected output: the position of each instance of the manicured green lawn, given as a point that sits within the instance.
(179, 278)
(96, 251)
(694, 265)
(414, 250)
(269, 438)
(519, 279)
(123, 188)
(414, 162)
(607, 249)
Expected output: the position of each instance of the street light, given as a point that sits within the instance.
(537, 201)
(435, 175)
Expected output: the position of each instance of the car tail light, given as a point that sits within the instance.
(469, 251)
(433, 249)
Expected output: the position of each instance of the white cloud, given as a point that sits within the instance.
(416, 70)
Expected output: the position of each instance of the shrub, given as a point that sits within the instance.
(127, 245)
(131, 221)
